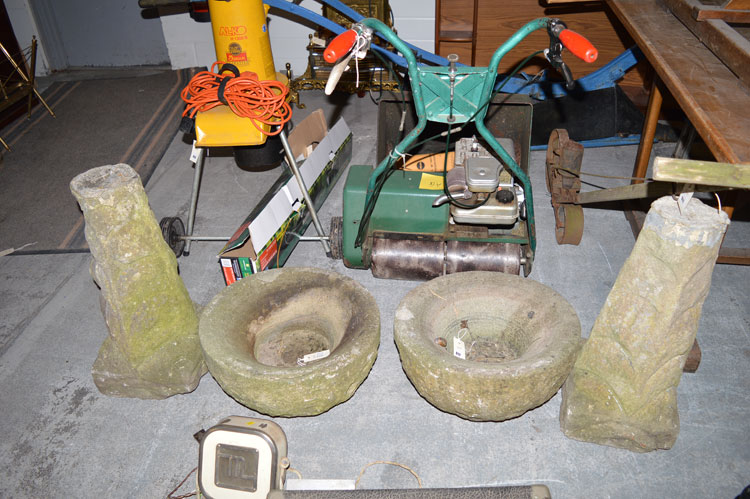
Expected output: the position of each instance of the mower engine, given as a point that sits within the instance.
(481, 190)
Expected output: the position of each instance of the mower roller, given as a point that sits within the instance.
(478, 212)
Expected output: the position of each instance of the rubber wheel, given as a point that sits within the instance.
(520, 338)
(172, 229)
(336, 238)
(254, 333)
(568, 224)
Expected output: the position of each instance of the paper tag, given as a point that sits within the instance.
(684, 199)
(431, 182)
(316, 356)
(459, 349)
(194, 153)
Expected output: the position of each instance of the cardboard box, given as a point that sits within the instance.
(262, 241)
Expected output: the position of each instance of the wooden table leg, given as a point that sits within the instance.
(693, 359)
(636, 217)
(649, 130)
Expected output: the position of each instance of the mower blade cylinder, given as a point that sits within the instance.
(407, 258)
(418, 259)
(464, 256)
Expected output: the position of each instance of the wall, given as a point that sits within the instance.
(415, 22)
(103, 33)
(24, 27)
(190, 43)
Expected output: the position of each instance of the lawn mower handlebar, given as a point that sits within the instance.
(578, 45)
(340, 46)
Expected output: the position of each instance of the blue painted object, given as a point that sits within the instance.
(603, 77)
(605, 142)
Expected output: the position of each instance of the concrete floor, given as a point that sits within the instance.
(62, 438)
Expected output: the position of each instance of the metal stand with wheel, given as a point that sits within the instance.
(179, 238)
(173, 229)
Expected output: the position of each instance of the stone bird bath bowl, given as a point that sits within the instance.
(256, 333)
(520, 340)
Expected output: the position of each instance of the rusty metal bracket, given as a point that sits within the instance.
(563, 168)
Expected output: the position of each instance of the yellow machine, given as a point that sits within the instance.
(240, 38)
(241, 35)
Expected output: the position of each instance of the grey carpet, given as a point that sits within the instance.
(104, 121)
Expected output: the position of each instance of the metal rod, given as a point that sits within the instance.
(313, 238)
(452, 60)
(640, 191)
(204, 238)
(26, 79)
(32, 75)
(310, 206)
(194, 196)
(685, 142)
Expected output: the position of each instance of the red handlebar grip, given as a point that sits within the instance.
(578, 45)
(340, 45)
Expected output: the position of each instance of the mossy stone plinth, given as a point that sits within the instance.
(254, 332)
(623, 388)
(520, 339)
(152, 350)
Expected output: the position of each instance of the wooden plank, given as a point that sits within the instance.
(708, 92)
(727, 44)
(726, 15)
(734, 256)
(737, 4)
(702, 172)
(635, 217)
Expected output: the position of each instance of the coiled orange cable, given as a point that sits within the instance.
(264, 102)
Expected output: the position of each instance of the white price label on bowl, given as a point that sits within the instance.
(316, 356)
(459, 349)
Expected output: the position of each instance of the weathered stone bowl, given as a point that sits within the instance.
(520, 338)
(256, 333)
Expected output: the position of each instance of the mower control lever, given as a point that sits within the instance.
(578, 45)
(336, 72)
(565, 70)
(355, 43)
(340, 46)
(560, 36)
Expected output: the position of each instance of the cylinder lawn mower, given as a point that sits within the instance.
(476, 213)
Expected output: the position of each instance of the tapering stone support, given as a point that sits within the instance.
(623, 388)
(152, 350)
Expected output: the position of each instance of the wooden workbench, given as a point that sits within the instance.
(713, 98)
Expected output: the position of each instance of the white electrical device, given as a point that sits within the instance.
(242, 458)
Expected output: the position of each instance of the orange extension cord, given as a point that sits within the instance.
(264, 102)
